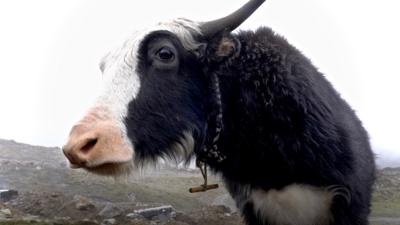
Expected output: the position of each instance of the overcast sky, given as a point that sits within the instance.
(50, 49)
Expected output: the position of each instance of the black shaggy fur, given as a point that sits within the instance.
(283, 122)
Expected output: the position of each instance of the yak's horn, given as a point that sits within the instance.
(232, 21)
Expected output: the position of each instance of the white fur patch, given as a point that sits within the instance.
(295, 204)
(122, 83)
(184, 148)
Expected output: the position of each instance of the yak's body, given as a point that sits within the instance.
(290, 150)
(284, 124)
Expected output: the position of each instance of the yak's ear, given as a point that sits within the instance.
(222, 47)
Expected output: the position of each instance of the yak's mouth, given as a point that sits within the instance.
(107, 163)
(108, 168)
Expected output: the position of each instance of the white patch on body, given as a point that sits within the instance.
(122, 83)
(296, 204)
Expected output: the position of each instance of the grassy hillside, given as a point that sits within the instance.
(47, 187)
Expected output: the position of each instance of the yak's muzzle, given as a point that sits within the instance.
(97, 144)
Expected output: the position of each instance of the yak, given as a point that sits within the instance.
(251, 106)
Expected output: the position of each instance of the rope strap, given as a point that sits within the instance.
(204, 187)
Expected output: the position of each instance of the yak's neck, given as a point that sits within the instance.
(244, 86)
(243, 106)
(249, 83)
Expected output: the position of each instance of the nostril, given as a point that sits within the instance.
(71, 157)
(65, 151)
(89, 145)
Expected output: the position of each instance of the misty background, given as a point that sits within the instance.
(50, 50)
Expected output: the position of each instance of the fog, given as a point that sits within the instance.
(50, 50)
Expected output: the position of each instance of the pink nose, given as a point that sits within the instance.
(95, 141)
(83, 144)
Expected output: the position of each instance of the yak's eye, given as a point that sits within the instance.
(165, 54)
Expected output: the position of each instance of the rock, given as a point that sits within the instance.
(132, 196)
(7, 195)
(31, 219)
(110, 210)
(108, 221)
(55, 195)
(163, 218)
(83, 203)
(150, 213)
(5, 213)
(133, 216)
(62, 218)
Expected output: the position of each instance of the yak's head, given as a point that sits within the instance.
(155, 101)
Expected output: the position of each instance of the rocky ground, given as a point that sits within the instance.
(51, 193)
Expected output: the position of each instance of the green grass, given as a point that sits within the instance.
(386, 204)
(386, 208)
